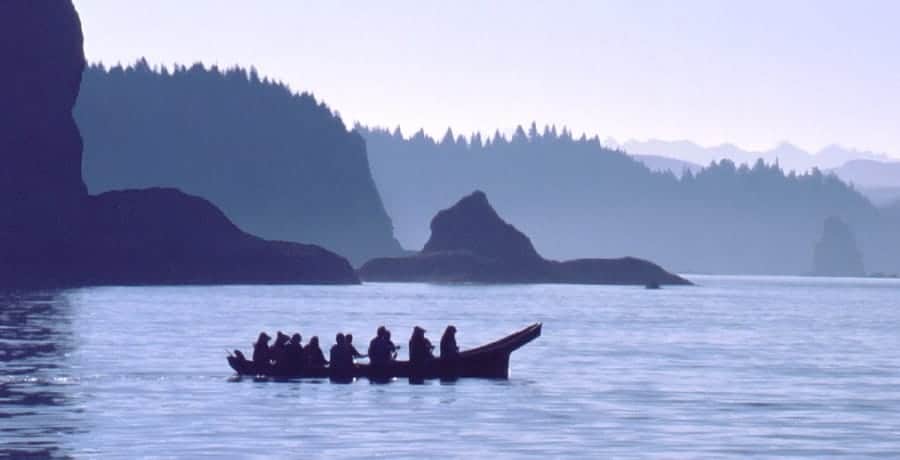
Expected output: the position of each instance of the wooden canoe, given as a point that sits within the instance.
(487, 361)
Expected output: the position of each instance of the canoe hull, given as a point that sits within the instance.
(488, 361)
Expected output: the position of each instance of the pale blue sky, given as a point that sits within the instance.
(748, 72)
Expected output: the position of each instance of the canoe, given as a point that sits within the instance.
(487, 361)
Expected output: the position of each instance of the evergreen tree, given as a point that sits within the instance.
(519, 136)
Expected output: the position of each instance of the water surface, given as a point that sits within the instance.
(736, 367)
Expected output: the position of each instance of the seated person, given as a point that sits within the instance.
(381, 350)
(353, 351)
(295, 357)
(420, 348)
(314, 356)
(449, 349)
(261, 352)
(278, 352)
(341, 359)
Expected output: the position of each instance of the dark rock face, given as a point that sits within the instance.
(53, 233)
(38, 87)
(454, 267)
(837, 254)
(471, 243)
(473, 225)
(41, 192)
(164, 236)
(625, 270)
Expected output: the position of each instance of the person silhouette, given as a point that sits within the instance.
(262, 356)
(381, 355)
(341, 368)
(420, 348)
(449, 349)
(315, 359)
(420, 355)
(294, 352)
(353, 351)
(391, 348)
(278, 353)
(449, 354)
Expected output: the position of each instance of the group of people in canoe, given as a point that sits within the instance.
(288, 355)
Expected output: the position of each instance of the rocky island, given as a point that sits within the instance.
(53, 233)
(836, 253)
(470, 242)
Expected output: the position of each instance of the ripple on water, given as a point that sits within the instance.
(737, 367)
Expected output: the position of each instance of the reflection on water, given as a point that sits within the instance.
(35, 337)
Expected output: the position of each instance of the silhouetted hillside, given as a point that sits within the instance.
(280, 164)
(52, 233)
(576, 198)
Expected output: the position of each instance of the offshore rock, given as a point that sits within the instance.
(470, 242)
(837, 254)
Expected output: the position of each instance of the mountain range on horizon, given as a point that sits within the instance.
(787, 155)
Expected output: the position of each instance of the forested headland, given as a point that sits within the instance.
(577, 198)
(281, 164)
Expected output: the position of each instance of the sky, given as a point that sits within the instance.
(752, 73)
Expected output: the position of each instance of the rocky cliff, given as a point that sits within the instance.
(53, 233)
(470, 242)
(836, 253)
(282, 165)
(473, 226)
(42, 196)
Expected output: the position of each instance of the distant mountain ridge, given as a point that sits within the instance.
(788, 156)
(870, 173)
(576, 197)
(280, 164)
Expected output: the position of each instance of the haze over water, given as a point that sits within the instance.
(774, 367)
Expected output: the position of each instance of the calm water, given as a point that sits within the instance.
(773, 367)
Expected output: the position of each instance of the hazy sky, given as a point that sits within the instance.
(749, 72)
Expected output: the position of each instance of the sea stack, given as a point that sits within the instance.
(42, 196)
(52, 233)
(470, 242)
(836, 253)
